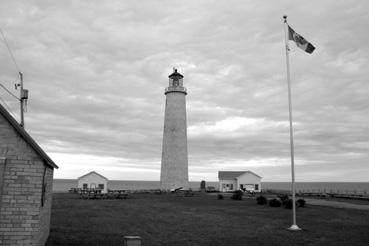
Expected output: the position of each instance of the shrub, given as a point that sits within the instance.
(189, 193)
(275, 203)
(301, 202)
(210, 189)
(239, 192)
(288, 203)
(283, 197)
(261, 200)
(220, 197)
(237, 195)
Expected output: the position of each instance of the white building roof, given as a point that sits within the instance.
(93, 172)
(230, 175)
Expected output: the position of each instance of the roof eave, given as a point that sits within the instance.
(20, 130)
(91, 173)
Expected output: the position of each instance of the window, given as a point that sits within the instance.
(231, 186)
(101, 186)
(223, 186)
(256, 186)
(85, 186)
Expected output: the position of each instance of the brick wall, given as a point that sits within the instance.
(23, 219)
(12, 144)
(45, 212)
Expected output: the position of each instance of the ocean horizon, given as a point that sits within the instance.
(63, 185)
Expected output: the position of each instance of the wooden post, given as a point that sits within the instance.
(21, 100)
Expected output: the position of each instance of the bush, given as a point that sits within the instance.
(288, 203)
(275, 203)
(283, 197)
(237, 195)
(261, 200)
(239, 192)
(189, 193)
(210, 189)
(301, 202)
(220, 197)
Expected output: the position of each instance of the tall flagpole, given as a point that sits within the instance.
(294, 226)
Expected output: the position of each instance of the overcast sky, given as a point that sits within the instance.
(97, 71)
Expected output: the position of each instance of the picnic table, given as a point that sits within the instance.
(117, 194)
(91, 193)
(74, 190)
(97, 194)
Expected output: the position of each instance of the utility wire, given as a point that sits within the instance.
(10, 52)
(9, 92)
(7, 106)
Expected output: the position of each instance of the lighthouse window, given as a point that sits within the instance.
(176, 82)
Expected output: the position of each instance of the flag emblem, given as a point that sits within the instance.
(300, 41)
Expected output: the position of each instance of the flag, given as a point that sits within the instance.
(300, 41)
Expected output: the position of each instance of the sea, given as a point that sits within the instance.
(63, 185)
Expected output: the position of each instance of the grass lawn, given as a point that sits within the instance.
(201, 220)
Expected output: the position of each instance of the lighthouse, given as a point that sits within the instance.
(174, 160)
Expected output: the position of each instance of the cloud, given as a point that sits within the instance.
(97, 71)
(233, 126)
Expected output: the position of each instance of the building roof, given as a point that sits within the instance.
(229, 175)
(26, 137)
(93, 172)
(175, 74)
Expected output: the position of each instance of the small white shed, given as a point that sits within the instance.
(93, 180)
(239, 180)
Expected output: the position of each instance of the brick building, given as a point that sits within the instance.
(26, 176)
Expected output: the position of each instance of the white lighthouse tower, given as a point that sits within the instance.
(174, 160)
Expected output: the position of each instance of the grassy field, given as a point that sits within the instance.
(201, 220)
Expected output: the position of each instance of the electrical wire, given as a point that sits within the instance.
(16, 67)
(9, 50)
(7, 107)
(9, 92)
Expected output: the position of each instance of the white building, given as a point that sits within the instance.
(93, 180)
(243, 180)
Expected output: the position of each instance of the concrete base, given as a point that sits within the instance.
(294, 228)
(132, 241)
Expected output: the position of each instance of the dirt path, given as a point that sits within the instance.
(336, 204)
